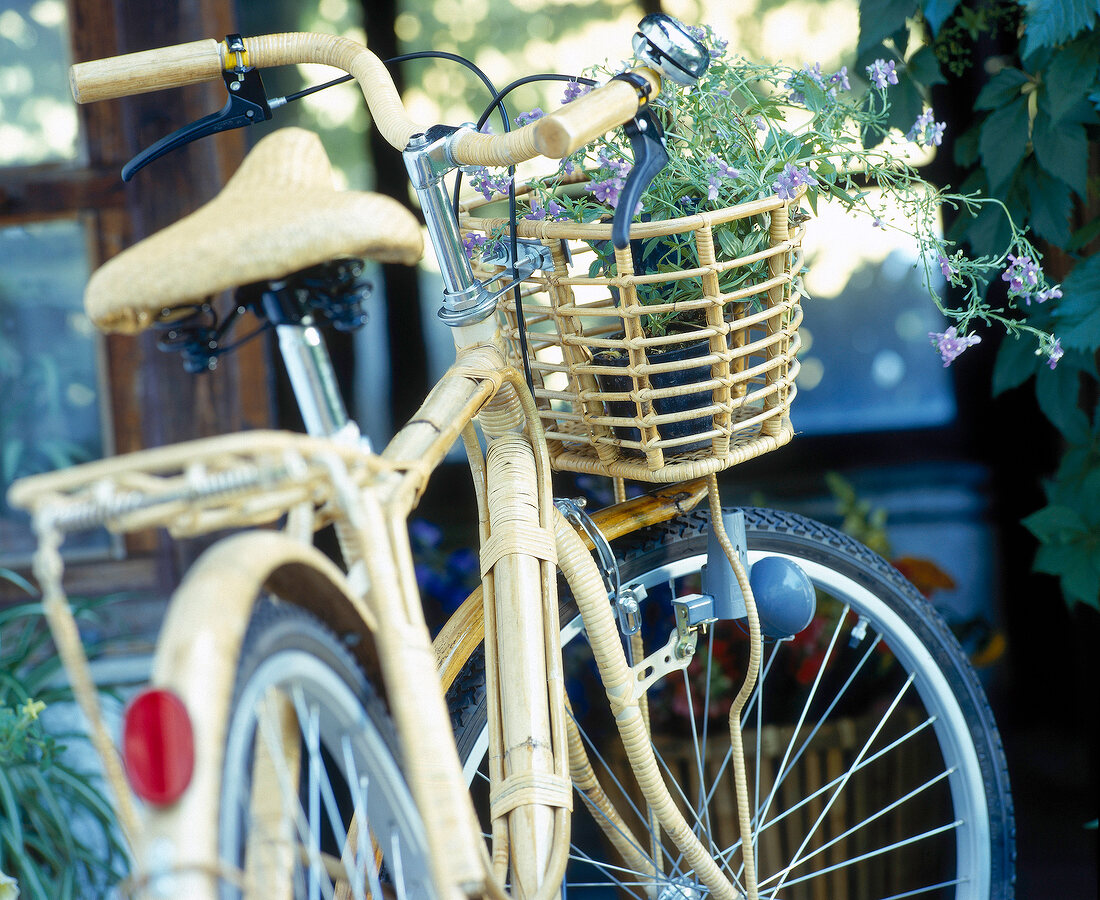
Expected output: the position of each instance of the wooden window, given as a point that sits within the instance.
(63, 211)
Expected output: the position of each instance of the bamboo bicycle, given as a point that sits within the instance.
(745, 703)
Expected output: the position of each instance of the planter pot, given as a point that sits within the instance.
(662, 406)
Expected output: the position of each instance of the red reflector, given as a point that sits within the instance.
(158, 746)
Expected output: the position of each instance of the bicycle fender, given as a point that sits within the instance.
(196, 657)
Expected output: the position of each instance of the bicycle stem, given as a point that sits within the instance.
(428, 160)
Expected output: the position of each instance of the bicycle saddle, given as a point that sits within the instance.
(279, 213)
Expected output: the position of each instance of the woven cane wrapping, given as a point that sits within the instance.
(610, 391)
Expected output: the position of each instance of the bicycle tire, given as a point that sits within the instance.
(954, 730)
(286, 832)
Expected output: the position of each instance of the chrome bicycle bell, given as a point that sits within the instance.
(666, 44)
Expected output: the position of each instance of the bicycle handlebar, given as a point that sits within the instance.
(558, 134)
(146, 71)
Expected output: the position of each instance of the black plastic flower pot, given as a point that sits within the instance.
(662, 406)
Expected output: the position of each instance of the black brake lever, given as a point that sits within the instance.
(647, 141)
(247, 104)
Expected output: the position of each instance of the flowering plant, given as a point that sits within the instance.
(750, 130)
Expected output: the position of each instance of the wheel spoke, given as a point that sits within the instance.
(620, 788)
(876, 815)
(306, 721)
(356, 860)
(825, 788)
(632, 887)
(847, 776)
(954, 882)
(881, 851)
(782, 768)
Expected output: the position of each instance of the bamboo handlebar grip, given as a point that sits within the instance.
(569, 128)
(145, 71)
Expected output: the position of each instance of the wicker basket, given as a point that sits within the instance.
(617, 402)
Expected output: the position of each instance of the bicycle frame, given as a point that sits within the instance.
(376, 596)
(209, 613)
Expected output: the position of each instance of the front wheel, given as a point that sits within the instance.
(314, 803)
(874, 766)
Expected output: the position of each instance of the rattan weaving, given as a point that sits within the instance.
(618, 417)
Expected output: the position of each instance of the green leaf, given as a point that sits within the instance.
(1084, 235)
(1048, 23)
(924, 68)
(966, 147)
(46, 794)
(1078, 312)
(879, 19)
(13, 821)
(1051, 205)
(10, 459)
(1004, 142)
(1016, 363)
(1077, 568)
(1063, 150)
(1066, 80)
(936, 12)
(1057, 391)
(1002, 88)
(1056, 522)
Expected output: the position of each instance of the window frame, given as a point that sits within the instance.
(146, 398)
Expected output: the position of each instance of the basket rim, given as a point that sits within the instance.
(570, 230)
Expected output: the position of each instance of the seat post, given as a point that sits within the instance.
(307, 360)
(312, 378)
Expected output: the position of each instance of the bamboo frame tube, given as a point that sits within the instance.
(525, 722)
(417, 704)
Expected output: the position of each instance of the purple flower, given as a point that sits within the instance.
(925, 131)
(793, 177)
(881, 73)
(1046, 294)
(552, 210)
(760, 123)
(473, 242)
(1022, 273)
(949, 345)
(946, 267)
(486, 184)
(723, 171)
(813, 73)
(878, 223)
(573, 90)
(526, 118)
(840, 79)
(424, 534)
(1056, 353)
(607, 191)
(723, 168)
(617, 167)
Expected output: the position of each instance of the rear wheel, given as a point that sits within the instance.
(874, 766)
(314, 804)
